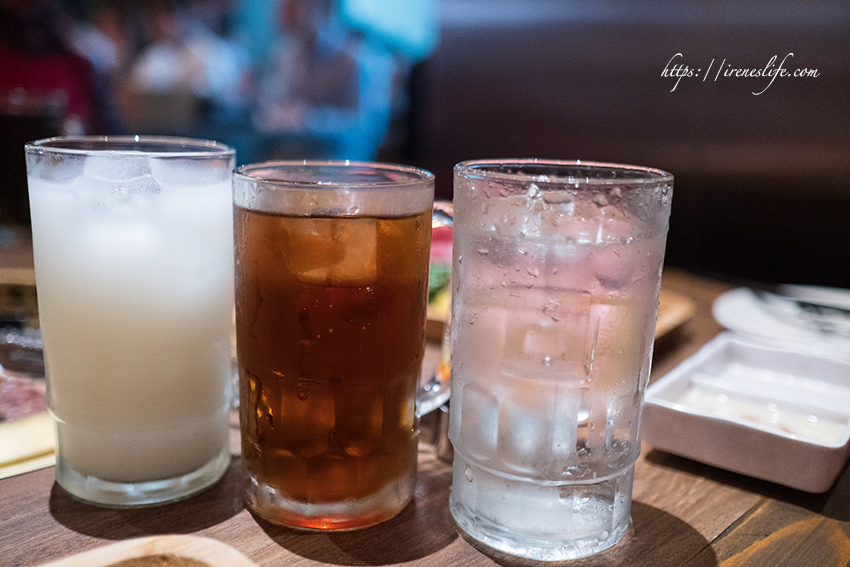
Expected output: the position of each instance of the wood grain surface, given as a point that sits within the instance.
(684, 513)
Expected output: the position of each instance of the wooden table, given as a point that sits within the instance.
(684, 513)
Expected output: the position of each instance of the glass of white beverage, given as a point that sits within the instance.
(133, 249)
(556, 276)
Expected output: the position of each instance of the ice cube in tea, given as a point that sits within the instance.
(332, 251)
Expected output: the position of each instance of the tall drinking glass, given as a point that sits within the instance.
(556, 277)
(133, 242)
(331, 288)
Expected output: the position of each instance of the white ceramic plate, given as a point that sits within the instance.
(782, 323)
(771, 413)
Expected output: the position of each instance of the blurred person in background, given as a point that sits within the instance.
(184, 56)
(37, 60)
(326, 81)
(103, 35)
(46, 89)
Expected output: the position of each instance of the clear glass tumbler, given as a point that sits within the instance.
(556, 276)
(331, 290)
(133, 242)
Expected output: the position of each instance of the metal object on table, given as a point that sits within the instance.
(434, 430)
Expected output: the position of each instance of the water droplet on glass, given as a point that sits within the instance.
(557, 197)
(547, 361)
(303, 393)
(483, 251)
(552, 310)
(467, 472)
(533, 272)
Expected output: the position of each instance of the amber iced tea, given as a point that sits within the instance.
(330, 319)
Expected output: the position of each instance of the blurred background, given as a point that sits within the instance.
(762, 164)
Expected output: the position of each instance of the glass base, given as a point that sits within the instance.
(544, 522)
(133, 494)
(349, 514)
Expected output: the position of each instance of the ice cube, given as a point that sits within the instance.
(538, 426)
(622, 430)
(543, 342)
(566, 403)
(499, 251)
(113, 183)
(108, 167)
(395, 249)
(63, 170)
(525, 423)
(480, 421)
(334, 252)
(531, 222)
(119, 196)
(186, 174)
(551, 337)
(358, 418)
(613, 267)
(305, 401)
(622, 333)
(568, 254)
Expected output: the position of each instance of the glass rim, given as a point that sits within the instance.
(417, 175)
(639, 175)
(148, 146)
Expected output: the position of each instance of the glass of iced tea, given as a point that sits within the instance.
(331, 287)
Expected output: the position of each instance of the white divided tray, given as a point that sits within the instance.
(770, 413)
